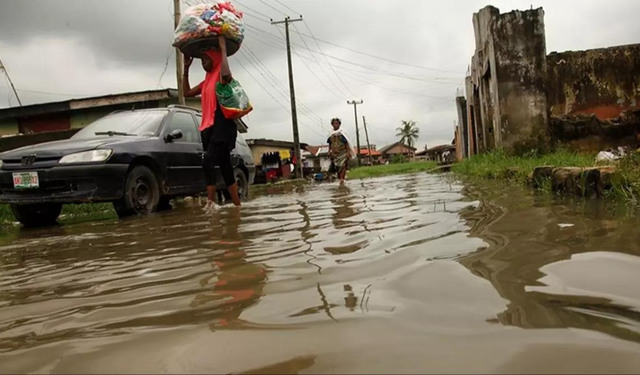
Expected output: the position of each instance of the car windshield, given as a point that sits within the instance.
(142, 123)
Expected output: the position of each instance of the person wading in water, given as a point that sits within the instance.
(217, 132)
(340, 150)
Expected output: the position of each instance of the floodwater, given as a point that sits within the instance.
(392, 275)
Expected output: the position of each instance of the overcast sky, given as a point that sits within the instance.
(58, 50)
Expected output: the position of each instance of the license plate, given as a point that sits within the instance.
(26, 180)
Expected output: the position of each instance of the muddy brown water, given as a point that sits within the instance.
(391, 275)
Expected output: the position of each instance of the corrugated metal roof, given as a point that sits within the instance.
(66, 105)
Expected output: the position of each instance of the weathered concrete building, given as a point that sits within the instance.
(506, 101)
(520, 99)
(594, 96)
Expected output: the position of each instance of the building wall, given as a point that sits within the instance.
(601, 82)
(44, 123)
(462, 130)
(398, 149)
(80, 119)
(9, 126)
(520, 54)
(506, 89)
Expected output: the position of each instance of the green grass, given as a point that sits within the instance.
(72, 213)
(499, 165)
(391, 169)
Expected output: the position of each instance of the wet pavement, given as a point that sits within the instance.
(392, 275)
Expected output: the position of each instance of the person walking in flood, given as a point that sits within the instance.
(340, 150)
(217, 132)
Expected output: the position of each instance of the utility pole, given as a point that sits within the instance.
(179, 61)
(355, 110)
(292, 92)
(366, 133)
(15, 92)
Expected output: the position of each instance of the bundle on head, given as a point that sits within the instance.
(201, 25)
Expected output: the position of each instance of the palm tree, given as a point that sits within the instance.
(408, 133)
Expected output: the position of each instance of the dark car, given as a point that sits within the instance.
(139, 160)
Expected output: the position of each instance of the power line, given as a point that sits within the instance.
(44, 92)
(269, 92)
(378, 57)
(284, 5)
(274, 8)
(373, 69)
(277, 84)
(323, 71)
(166, 65)
(368, 82)
(320, 49)
(262, 86)
(311, 70)
(253, 10)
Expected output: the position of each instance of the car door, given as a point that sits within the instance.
(184, 156)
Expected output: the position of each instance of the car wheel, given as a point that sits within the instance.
(141, 193)
(243, 185)
(36, 215)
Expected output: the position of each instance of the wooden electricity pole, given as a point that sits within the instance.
(366, 133)
(355, 110)
(292, 92)
(179, 61)
(6, 73)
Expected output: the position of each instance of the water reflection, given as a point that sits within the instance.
(235, 284)
(527, 233)
(405, 270)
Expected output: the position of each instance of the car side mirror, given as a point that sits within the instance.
(176, 134)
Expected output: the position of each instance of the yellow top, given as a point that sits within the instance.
(285, 154)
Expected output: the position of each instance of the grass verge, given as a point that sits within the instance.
(71, 213)
(500, 165)
(391, 169)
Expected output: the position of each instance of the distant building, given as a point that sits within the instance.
(376, 156)
(389, 151)
(317, 158)
(443, 154)
(262, 146)
(77, 113)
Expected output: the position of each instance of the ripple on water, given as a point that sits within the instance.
(419, 252)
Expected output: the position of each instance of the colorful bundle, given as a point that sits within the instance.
(208, 21)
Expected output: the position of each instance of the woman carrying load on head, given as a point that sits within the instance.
(340, 149)
(217, 132)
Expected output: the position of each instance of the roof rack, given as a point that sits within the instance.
(183, 107)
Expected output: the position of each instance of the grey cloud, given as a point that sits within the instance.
(122, 45)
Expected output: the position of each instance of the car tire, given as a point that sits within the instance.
(141, 193)
(243, 183)
(37, 215)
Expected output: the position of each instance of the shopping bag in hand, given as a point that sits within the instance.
(233, 100)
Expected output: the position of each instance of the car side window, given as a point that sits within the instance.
(184, 122)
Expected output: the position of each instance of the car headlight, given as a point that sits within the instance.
(95, 156)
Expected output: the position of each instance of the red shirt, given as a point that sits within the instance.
(208, 96)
